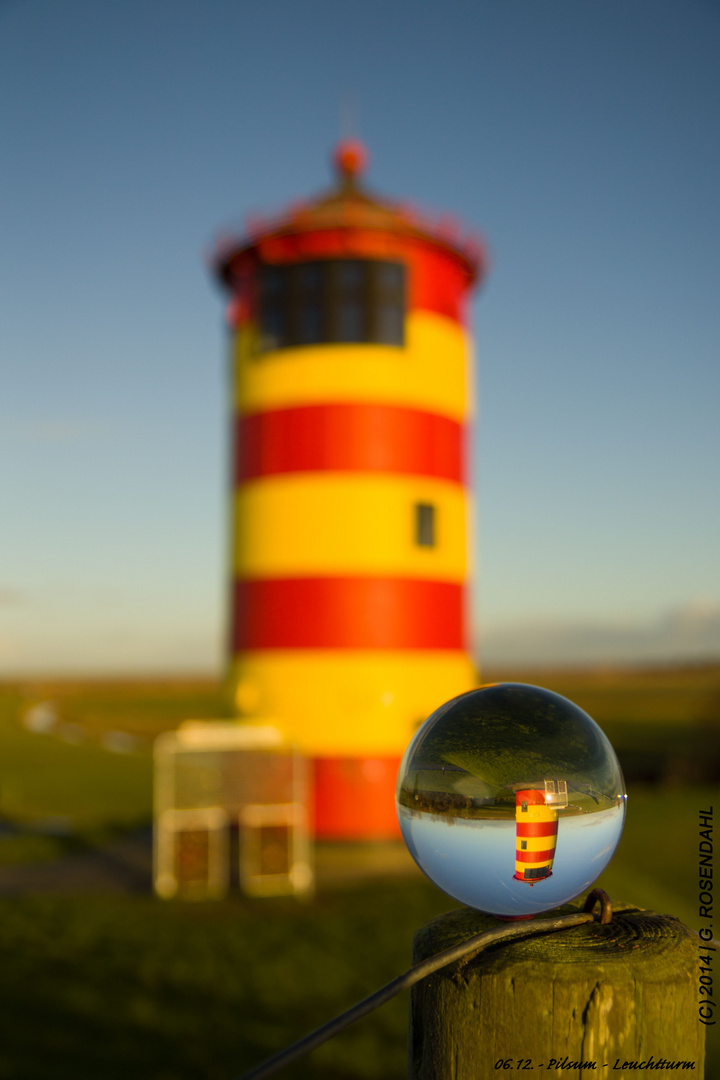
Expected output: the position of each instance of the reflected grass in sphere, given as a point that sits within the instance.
(511, 799)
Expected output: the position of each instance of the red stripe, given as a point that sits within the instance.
(348, 613)
(538, 828)
(438, 283)
(535, 856)
(351, 437)
(529, 795)
(354, 798)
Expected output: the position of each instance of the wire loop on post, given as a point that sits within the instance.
(463, 951)
(601, 897)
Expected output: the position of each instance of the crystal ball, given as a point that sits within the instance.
(511, 799)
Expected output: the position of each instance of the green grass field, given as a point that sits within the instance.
(48, 775)
(125, 985)
(664, 724)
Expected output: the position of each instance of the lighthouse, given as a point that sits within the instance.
(351, 398)
(536, 835)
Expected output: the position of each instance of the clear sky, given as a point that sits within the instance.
(580, 137)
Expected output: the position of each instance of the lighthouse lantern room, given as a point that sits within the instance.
(349, 562)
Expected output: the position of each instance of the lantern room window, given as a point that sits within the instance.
(332, 301)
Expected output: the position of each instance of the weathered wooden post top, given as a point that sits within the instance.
(616, 1000)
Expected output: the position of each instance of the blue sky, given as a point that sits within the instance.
(579, 136)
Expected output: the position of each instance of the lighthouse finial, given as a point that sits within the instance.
(350, 160)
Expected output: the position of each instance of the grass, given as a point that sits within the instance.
(118, 987)
(69, 773)
(655, 865)
(112, 986)
(41, 776)
(656, 695)
(142, 707)
(19, 848)
(664, 724)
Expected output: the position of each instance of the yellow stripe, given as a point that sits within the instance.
(305, 524)
(431, 372)
(537, 843)
(336, 702)
(523, 866)
(536, 812)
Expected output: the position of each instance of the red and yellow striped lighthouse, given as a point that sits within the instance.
(349, 553)
(536, 836)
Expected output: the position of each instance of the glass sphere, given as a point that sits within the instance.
(511, 799)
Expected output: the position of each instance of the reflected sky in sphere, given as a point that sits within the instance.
(511, 799)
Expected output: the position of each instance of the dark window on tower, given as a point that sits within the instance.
(331, 301)
(389, 306)
(425, 524)
(348, 307)
(273, 305)
(309, 287)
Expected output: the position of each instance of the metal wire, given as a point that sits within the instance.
(463, 951)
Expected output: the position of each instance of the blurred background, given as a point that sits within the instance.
(580, 139)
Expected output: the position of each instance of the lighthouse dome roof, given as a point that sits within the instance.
(350, 206)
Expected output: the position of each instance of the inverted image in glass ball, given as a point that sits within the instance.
(511, 799)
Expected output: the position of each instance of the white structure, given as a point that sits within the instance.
(557, 797)
(230, 807)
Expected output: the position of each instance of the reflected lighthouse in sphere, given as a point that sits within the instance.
(506, 787)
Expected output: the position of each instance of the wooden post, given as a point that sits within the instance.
(602, 997)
